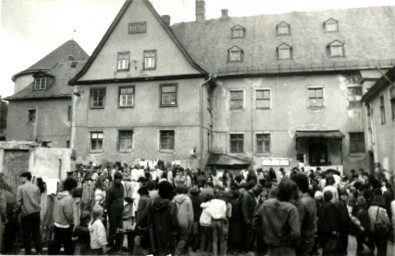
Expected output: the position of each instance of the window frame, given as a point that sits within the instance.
(230, 99)
(239, 51)
(91, 138)
(238, 28)
(137, 31)
(155, 59)
(119, 141)
(35, 115)
(270, 98)
(336, 44)
(45, 79)
(237, 141)
(284, 46)
(309, 98)
(283, 24)
(331, 21)
(119, 95)
(354, 99)
(167, 150)
(264, 151)
(357, 148)
(91, 101)
(161, 86)
(119, 54)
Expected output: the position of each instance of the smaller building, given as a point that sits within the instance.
(380, 113)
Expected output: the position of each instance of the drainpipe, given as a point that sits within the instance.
(72, 121)
(202, 120)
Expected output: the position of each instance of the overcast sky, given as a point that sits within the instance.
(30, 29)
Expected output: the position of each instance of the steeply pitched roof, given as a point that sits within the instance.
(368, 34)
(55, 64)
(58, 55)
(113, 26)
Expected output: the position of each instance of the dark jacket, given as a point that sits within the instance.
(345, 220)
(82, 233)
(308, 216)
(197, 210)
(328, 219)
(248, 207)
(114, 198)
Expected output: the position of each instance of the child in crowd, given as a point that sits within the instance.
(97, 232)
(82, 232)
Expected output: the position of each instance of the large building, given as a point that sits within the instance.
(41, 108)
(285, 89)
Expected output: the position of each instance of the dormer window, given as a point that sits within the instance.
(331, 25)
(40, 84)
(235, 54)
(284, 52)
(283, 28)
(335, 49)
(238, 32)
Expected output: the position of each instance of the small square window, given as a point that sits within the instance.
(316, 97)
(126, 96)
(283, 29)
(40, 84)
(97, 97)
(168, 94)
(46, 143)
(236, 143)
(149, 59)
(284, 52)
(235, 56)
(166, 140)
(357, 142)
(137, 28)
(263, 99)
(236, 99)
(337, 51)
(31, 115)
(263, 143)
(96, 141)
(331, 25)
(123, 61)
(125, 141)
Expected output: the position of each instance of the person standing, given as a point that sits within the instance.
(28, 204)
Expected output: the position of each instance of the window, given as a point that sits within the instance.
(96, 141)
(238, 31)
(316, 97)
(69, 113)
(149, 59)
(336, 49)
(125, 141)
(97, 97)
(357, 142)
(392, 97)
(331, 25)
(283, 28)
(40, 84)
(382, 110)
(137, 27)
(126, 96)
(354, 96)
(236, 143)
(46, 143)
(284, 52)
(123, 61)
(263, 143)
(31, 115)
(235, 54)
(263, 98)
(236, 99)
(68, 143)
(168, 94)
(166, 140)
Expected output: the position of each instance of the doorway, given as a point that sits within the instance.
(318, 154)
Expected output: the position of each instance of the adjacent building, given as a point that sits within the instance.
(41, 108)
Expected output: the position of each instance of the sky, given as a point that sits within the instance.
(30, 29)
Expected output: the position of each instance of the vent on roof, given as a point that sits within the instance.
(71, 58)
(200, 10)
(73, 64)
(166, 19)
(224, 14)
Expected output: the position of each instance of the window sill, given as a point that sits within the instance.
(96, 151)
(125, 151)
(263, 108)
(337, 56)
(263, 154)
(316, 108)
(96, 107)
(359, 154)
(168, 106)
(237, 109)
(168, 151)
(148, 69)
(122, 70)
(126, 106)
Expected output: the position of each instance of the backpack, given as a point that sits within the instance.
(183, 212)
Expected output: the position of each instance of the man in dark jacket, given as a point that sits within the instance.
(114, 205)
(248, 210)
(160, 216)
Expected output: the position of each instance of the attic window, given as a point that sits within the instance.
(123, 61)
(335, 49)
(284, 52)
(238, 31)
(331, 25)
(235, 54)
(137, 28)
(40, 84)
(283, 28)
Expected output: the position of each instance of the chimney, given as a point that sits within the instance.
(200, 10)
(166, 19)
(224, 14)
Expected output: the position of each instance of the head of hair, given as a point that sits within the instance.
(118, 176)
(165, 189)
(301, 181)
(84, 219)
(250, 184)
(97, 212)
(208, 197)
(330, 180)
(328, 196)
(181, 189)
(41, 185)
(100, 182)
(150, 185)
(27, 175)
(286, 190)
(239, 178)
(69, 184)
(143, 191)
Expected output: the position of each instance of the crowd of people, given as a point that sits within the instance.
(171, 210)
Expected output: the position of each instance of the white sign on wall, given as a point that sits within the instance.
(275, 162)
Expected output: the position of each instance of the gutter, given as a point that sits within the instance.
(202, 120)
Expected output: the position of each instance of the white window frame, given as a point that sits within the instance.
(323, 97)
(90, 140)
(230, 99)
(150, 61)
(120, 99)
(270, 98)
(28, 115)
(160, 144)
(256, 143)
(123, 61)
(40, 83)
(130, 150)
(230, 142)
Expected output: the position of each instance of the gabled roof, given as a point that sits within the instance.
(238, 27)
(336, 43)
(380, 85)
(282, 24)
(112, 28)
(235, 48)
(365, 30)
(284, 45)
(331, 20)
(60, 54)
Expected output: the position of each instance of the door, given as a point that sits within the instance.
(318, 154)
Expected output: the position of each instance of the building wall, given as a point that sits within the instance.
(384, 134)
(22, 82)
(289, 112)
(51, 121)
(145, 118)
